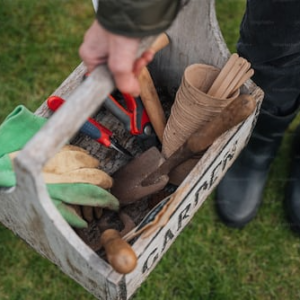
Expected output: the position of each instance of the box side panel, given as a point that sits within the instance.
(194, 191)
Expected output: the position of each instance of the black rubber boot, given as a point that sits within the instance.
(293, 188)
(239, 194)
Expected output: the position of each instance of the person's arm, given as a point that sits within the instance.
(137, 18)
(114, 37)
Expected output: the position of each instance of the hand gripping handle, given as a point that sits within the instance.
(94, 90)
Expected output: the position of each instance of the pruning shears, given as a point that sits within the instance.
(92, 128)
(133, 116)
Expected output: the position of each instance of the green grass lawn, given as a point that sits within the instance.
(39, 42)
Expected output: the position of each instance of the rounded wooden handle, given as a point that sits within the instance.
(152, 103)
(119, 253)
(149, 94)
(160, 42)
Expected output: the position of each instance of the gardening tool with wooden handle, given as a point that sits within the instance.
(149, 94)
(148, 173)
(119, 253)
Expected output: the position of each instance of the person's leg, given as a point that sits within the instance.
(277, 72)
(239, 193)
(292, 200)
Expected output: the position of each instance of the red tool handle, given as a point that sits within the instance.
(134, 117)
(91, 127)
(139, 116)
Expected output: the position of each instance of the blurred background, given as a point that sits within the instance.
(39, 49)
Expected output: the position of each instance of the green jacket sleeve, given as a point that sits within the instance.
(137, 18)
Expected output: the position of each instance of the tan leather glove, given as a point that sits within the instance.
(76, 185)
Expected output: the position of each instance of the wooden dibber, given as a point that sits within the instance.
(149, 94)
(119, 253)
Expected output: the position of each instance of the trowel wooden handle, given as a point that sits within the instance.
(237, 111)
(119, 253)
(152, 103)
(149, 94)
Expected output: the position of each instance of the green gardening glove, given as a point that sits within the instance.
(72, 176)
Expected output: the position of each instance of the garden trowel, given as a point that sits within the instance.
(148, 173)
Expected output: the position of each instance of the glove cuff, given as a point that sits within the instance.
(18, 128)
